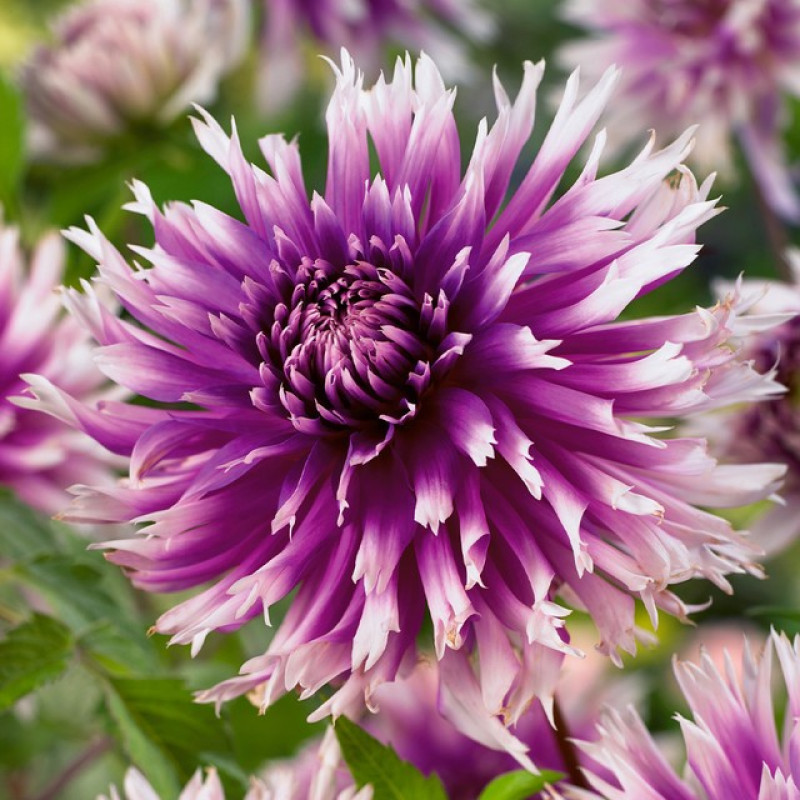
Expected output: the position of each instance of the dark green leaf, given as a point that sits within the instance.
(374, 763)
(33, 653)
(519, 785)
(12, 140)
(774, 612)
(164, 732)
(278, 733)
(141, 747)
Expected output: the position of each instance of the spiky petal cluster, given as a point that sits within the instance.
(410, 721)
(410, 396)
(768, 430)
(734, 745)
(137, 787)
(726, 64)
(115, 64)
(40, 456)
(367, 28)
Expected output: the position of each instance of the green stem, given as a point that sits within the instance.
(55, 788)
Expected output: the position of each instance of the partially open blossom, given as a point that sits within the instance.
(41, 456)
(410, 396)
(769, 430)
(410, 721)
(368, 28)
(735, 747)
(728, 65)
(137, 787)
(117, 64)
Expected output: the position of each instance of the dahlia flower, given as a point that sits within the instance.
(117, 64)
(727, 64)
(411, 722)
(40, 456)
(735, 748)
(409, 398)
(137, 787)
(768, 430)
(367, 28)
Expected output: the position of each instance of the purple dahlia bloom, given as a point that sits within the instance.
(410, 396)
(367, 28)
(769, 430)
(115, 64)
(727, 64)
(41, 456)
(735, 748)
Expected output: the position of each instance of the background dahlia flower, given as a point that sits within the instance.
(726, 64)
(367, 28)
(116, 64)
(409, 720)
(411, 723)
(137, 787)
(735, 747)
(410, 397)
(769, 430)
(40, 456)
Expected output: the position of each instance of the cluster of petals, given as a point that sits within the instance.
(411, 396)
(367, 28)
(411, 724)
(317, 774)
(136, 787)
(726, 64)
(117, 64)
(735, 748)
(40, 456)
(769, 430)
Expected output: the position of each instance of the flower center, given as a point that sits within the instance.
(347, 347)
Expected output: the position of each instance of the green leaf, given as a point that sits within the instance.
(12, 140)
(32, 654)
(24, 534)
(772, 612)
(519, 785)
(77, 590)
(373, 763)
(137, 741)
(164, 732)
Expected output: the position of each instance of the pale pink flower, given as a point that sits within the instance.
(114, 65)
(729, 65)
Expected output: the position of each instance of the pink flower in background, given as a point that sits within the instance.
(770, 430)
(735, 747)
(410, 397)
(729, 65)
(137, 787)
(368, 28)
(117, 64)
(41, 456)
(410, 721)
